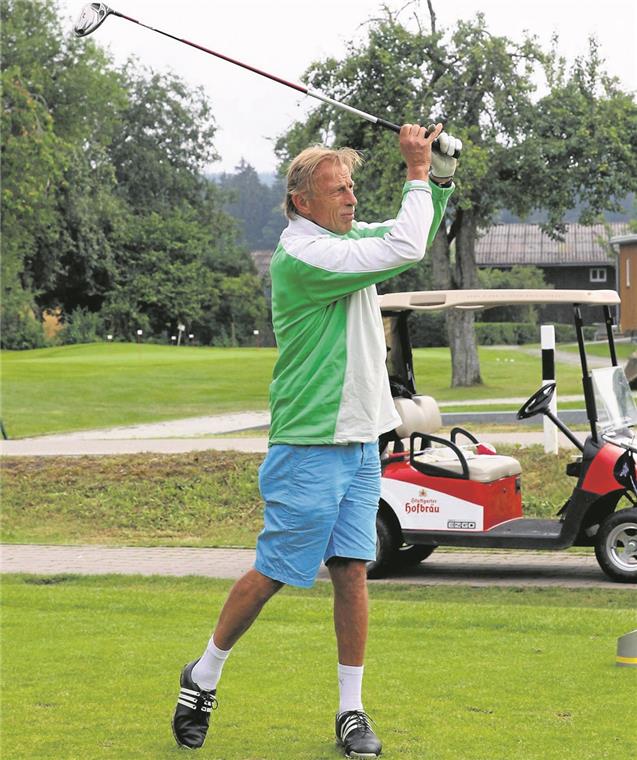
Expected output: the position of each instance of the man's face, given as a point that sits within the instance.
(332, 203)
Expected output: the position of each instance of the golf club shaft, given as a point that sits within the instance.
(299, 88)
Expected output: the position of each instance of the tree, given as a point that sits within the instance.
(577, 142)
(105, 207)
(60, 103)
(161, 277)
(516, 277)
(29, 152)
(240, 313)
(255, 205)
(164, 139)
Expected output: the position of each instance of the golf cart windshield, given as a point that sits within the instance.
(616, 410)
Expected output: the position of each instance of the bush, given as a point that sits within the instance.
(520, 333)
(428, 329)
(81, 326)
(21, 330)
(517, 277)
(566, 333)
(506, 333)
(122, 318)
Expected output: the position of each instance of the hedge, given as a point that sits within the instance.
(428, 329)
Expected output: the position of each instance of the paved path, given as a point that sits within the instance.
(179, 436)
(39, 447)
(569, 357)
(474, 568)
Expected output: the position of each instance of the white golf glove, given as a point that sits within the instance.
(443, 165)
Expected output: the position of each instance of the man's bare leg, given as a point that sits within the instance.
(349, 578)
(353, 730)
(198, 681)
(242, 607)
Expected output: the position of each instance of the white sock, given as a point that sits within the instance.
(207, 671)
(350, 684)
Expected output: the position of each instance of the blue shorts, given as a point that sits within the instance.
(320, 502)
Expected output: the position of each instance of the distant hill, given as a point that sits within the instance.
(254, 200)
(266, 178)
(627, 213)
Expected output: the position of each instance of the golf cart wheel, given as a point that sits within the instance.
(412, 554)
(390, 553)
(616, 546)
(386, 548)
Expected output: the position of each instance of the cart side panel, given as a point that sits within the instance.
(424, 502)
(599, 478)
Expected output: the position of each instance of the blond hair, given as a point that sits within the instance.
(300, 176)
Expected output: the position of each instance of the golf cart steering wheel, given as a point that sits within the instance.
(538, 403)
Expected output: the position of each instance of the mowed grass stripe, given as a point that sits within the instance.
(72, 388)
(453, 673)
(205, 498)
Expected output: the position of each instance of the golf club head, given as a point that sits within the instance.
(91, 16)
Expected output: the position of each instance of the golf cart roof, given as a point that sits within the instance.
(428, 300)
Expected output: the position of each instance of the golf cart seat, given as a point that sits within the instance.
(420, 415)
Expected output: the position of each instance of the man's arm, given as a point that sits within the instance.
(329, 267)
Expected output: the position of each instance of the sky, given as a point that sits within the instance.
(284, 37)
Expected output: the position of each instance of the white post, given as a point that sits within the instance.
(547, 340)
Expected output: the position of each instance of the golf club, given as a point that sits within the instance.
(93, 16)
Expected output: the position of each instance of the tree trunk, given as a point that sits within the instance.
(440, 266)
(465, 365)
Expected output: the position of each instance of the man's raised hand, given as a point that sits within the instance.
(415, 146)
(443, 165)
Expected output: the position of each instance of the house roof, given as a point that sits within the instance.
(510, 244)
(628, 239)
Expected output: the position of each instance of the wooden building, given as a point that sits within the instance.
(584, 259)
(627, 280)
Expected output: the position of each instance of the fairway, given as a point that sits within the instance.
(451, 673)
(81, 387)
(90, 386)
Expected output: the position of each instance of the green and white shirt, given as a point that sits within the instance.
(330, 385)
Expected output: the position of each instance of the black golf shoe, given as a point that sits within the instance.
(354, 734)
(192, 714)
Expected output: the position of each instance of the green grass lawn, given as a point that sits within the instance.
(624, 350)
(80, 387)
(88, 386)
(505, 373)
(199, 499)
(453, 673)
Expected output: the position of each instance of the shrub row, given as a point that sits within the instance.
(429, 330)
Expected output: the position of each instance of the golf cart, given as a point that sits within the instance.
(456, 491)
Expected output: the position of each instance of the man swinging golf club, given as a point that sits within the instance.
(330, 400)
